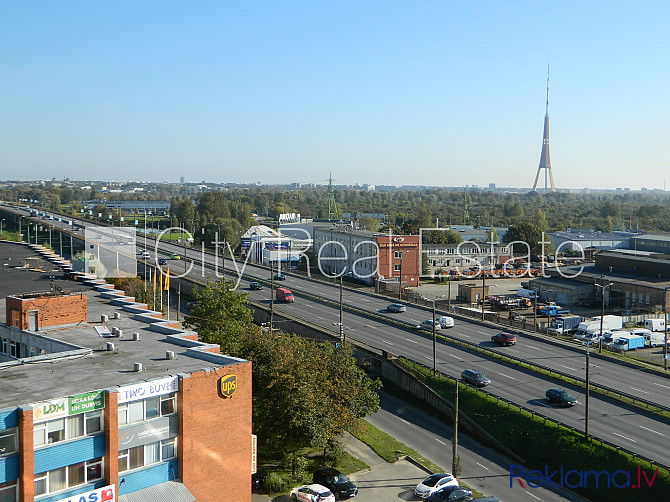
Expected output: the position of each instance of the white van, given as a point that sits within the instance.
(445, 322)
(145, 255)
(655, 324)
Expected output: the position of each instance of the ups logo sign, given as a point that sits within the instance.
(228, 385)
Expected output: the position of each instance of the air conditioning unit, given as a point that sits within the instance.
(169, 354)
(104, 318)
(117, 315)
(136, 337)
(137, 368)
(109, 346)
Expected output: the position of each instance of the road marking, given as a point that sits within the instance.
(534, 348)
(629, 439)
(482, 332)
(387, 342)
(320, 318)
(403, 420)
(466, 336)
(507, 376)
(568, 367)
(410, 340)
(369, 326)
(650, 430)
(536, 498)
(457, 357)
(640, 390)
(596, 366)
(661, 385)
(482, 466)
(441, 442)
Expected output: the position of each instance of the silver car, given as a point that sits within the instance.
(396, 307)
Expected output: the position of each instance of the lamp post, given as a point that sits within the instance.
(602, 315)
(483, 292)
(435, 338)
(1, 225)
(665, 317)
(586, 408)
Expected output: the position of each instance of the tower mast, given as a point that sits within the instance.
(545, 162)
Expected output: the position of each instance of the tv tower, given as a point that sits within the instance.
(545, 162)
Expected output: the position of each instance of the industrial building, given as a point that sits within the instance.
(101, 399)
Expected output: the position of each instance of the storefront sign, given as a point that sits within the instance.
(66, 406)
(145, 390)
(254, 453)
(148, 432)
(228, 385)
(104, 494)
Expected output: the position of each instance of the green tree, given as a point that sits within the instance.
(369, 223)
(526, 233)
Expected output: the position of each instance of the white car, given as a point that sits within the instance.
(428, 325)
(312, 493)
(434, 483)
(446, 322)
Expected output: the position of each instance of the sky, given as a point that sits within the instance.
(437, 93)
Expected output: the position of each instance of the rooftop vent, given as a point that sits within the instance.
(169, 354)
(116, 315)
(104, 318)
(136, 337)
(109, 346)
(137, 368)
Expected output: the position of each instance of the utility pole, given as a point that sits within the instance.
(272, 293)
(178, 301)
(341, 312)
(588, 385)
(483, 292)
(455, 461)
(665, 316)
(435, 344)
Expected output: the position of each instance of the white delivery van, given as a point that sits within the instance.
(445, 322)
(655, 324)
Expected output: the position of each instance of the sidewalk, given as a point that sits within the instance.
(382, 482)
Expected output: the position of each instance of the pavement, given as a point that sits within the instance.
(382, 482)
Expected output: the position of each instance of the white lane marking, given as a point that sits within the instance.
(464, 335)
(370, 326)
(482, 466)
(596, 366)
(482, 332)
(568, 367)
(441, 442)
(507, 376)
(412, 341)
(661, 385)
(387, 342)
(629, 439)
(640, 390)
(320, 318)
(651, 430)
(536, 498)
(457, 357)
(403, 420)
(534, 348)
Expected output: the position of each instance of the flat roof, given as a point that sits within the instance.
(89, 365)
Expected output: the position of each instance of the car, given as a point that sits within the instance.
(505, 339)
(162, 261)
(433, 483)
(312, 493)
(452, 493)
(175, 256)
(428, 324)
(279, 277)
(396, 307)
(561, 397)
(336, 482)
(476, 378)
(255, 285)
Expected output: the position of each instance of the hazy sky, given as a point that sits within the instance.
(445, 93)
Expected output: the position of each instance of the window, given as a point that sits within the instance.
(53, 431)
(3, 346)
(8, 492)
(68, 477)
(146, 409)
(396, 267)
(7, 442)
(148, 454)
(397, 255)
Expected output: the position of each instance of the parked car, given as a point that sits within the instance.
(433, 483)
(561, 397)
(255, 285)
(310, 493)
(428, 324)
(476, 378)
(396, 307)
(279, 277)
(450, 494)
(505, 339)
(175, 256)
(162, 261)
(336, 482)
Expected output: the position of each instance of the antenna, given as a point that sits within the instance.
(545, 162)
(332, 205)
(547, 109)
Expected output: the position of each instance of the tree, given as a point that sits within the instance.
(527, 233)
(220, 315)
(369, 223)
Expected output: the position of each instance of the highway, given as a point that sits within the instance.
(634, 430)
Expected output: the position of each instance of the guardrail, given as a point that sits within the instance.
(632, 453)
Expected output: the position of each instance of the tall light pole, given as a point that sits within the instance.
(588, 384)
(665, 317)
(401, 253)
(272, 293)
(435, 338)
(483, 292)
(602, 314)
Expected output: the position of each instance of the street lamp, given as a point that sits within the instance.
(586, 408)
(602, 315)
(1, 225)
(665, 317)
(435, 338)
(400, 253)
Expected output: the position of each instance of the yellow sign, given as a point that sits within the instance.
(228, 385)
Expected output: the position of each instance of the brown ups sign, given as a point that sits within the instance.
(228, 385)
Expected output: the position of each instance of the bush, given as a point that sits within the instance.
(274, 483)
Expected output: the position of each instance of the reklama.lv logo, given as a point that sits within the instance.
(580, 479)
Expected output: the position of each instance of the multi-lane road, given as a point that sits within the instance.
(630, 428)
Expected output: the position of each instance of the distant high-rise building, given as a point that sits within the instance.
(182, 180)
(545, 162)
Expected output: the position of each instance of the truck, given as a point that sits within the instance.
(590, 331)
(562, 325)
(553, 311)
(655, 324)
(653, 338)
(284, 295)
(628, 342)
(610, 322)
(526, 293)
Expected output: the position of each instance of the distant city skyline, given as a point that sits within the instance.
(437, 93)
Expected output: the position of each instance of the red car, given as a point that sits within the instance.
(506, 339)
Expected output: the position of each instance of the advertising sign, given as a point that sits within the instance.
(149, 432)
(254, 453)
(66, 406)
(145, 390)
(104, 494)
(228, 385)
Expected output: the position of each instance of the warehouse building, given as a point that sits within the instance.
(101, 399)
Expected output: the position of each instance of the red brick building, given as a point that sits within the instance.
(399, 257)
(34, 311)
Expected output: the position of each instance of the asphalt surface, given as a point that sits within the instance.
(608, 420)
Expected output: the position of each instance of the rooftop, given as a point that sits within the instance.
(78, 359)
